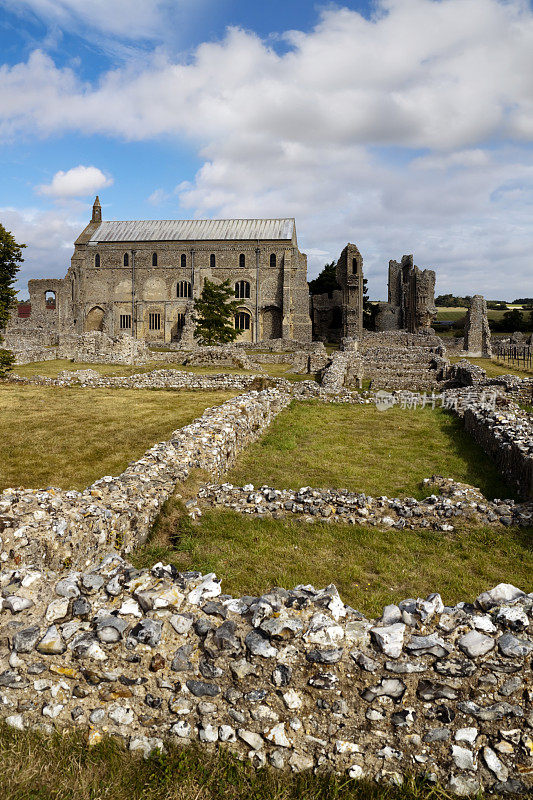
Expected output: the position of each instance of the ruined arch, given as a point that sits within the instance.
(94, 321)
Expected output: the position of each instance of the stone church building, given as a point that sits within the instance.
(141, 277)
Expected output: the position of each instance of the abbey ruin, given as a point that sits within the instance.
(141, 278)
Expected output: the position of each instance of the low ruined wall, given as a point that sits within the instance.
(507, 437)
(454, 503)
(466, 374)
(291, 679)
(55, 527)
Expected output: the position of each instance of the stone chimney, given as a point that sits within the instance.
(97, 211)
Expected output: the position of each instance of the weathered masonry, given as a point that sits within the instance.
(142, 277)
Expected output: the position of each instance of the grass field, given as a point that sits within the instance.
(370, 567)
(50, 369)
(64, 768)
(365, 450)
(495, 368)
(71, 437)
(453, 313)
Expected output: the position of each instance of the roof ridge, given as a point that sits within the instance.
(202, 219)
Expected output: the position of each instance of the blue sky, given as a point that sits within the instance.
(401, 125)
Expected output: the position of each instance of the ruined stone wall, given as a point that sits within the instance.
(507, 437)
(411, 298)
(326, 316)
(477, 332)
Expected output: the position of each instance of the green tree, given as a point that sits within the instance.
(326, 280)
(513, 320)
(214, 314)
(10, 258)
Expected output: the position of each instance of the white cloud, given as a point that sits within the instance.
(131, 19)
(79, 181)
(332, 131)
(49, 237)
(422, 73)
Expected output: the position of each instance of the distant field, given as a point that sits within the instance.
(452, 314)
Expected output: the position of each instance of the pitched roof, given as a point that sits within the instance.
(193, 229)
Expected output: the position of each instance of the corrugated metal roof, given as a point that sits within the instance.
(193, 229)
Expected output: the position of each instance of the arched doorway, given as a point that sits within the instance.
(272, 323)
(243, 323)
(94, 321)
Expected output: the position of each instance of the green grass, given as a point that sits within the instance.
(365, 450)
(370, 567)
(65, 768)
(453, 313)
(495, 368)
(50, 369)
(70, 437)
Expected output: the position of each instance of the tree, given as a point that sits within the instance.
(326, 280)
(369, 309)
(214, 313)
(10, 258)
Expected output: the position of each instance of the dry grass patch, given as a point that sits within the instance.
(365, 450)
(69, 437)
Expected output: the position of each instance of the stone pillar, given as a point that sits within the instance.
(477, 332)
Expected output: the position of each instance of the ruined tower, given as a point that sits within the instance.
(350, 278)
(411, 300)
(477, 331)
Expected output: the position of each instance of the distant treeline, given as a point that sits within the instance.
(452, 300)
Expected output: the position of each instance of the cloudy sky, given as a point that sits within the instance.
(401, 125)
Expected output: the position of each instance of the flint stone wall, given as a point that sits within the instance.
(291, 679)
(455, 502)
(507, 437)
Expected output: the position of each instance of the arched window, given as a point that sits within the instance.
(242, 260)
(184, 289)
(72, 287)
(354, 266)
(242, 290)
(97, 260)
(242, 321)
(50, 299)
(126, 260)
(183, 261)
(272, 259)
(212, 261)
(154, 259)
